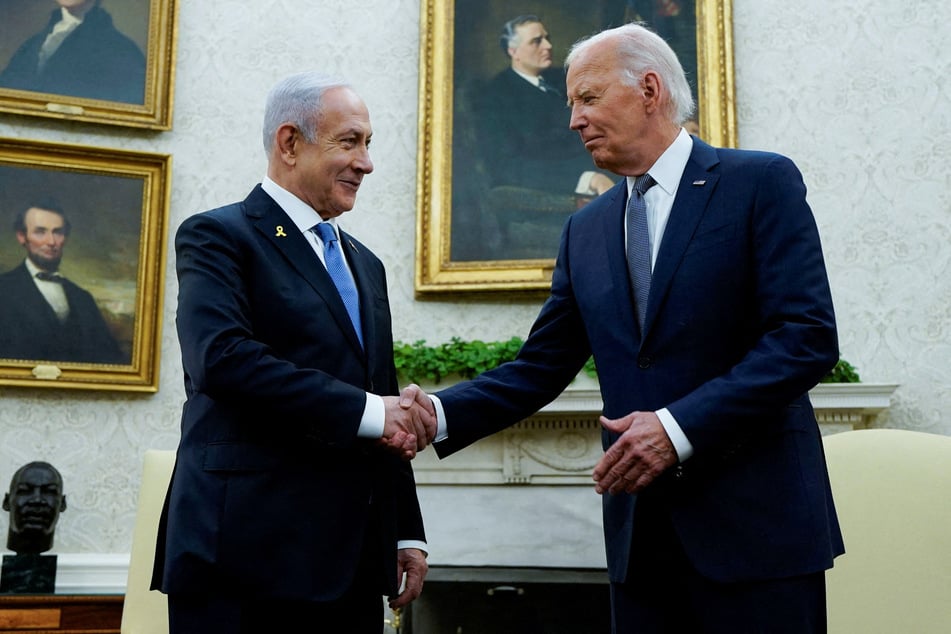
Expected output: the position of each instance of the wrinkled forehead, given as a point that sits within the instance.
(591, 66)
(342, 107)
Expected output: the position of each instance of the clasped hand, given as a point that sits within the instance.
(641, 453)
(410, 423)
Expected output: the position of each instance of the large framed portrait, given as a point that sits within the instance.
(102, 61)
(498, 169)
(82, 261)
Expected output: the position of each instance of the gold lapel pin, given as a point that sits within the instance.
(280, 232)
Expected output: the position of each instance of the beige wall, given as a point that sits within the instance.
(856, 92)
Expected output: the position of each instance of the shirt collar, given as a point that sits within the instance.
(669, 168)
(532, 79)
(301, 214)
(67, 20)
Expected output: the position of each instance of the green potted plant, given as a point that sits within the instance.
(419, 362)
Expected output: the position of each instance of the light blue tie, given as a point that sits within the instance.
(639, 246)
(333, 259)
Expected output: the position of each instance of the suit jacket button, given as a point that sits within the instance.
(679, 472)
(644, 362)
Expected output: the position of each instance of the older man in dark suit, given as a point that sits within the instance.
(525, 141)
(284, 507)
(699, 286)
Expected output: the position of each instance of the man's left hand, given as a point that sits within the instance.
(642, 453)
(411, 561)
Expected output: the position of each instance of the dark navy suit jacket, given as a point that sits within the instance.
(739, 327)
(524, 137)
(271, 491)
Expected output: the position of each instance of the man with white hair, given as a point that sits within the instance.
(699, 286)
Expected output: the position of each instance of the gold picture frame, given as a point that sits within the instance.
(115, 206)
(117, 67)
(458, 248)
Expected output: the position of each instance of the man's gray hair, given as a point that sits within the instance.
(640, 50)
(509, 37)
(297, 100)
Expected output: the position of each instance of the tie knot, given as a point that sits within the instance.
(326, 232)
(49, 277)
(644, 182)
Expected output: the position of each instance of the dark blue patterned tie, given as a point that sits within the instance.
(639, 246)
(333, 258)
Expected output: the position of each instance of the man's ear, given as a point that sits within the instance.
(6, 502)
(651, 88)
(286, 139)
(62, 504)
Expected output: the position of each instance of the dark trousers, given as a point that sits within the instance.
(211, 614)
(358, 611)
(664, 594)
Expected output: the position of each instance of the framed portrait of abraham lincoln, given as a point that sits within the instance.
(499, 170)
(101, 61)
(82, 261)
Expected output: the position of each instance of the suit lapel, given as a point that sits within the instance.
(277, 227)
(693, 194)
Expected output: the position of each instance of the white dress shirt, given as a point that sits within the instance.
(52, 292)
(659, 200)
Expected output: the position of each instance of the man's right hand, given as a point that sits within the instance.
(410, 423)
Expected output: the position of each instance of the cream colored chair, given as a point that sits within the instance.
(145, 611)
(892, 490)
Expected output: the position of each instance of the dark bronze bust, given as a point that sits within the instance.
(35, 501)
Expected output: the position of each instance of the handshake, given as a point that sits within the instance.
(410, 423)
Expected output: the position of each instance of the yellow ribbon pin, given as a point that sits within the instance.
(280, 232)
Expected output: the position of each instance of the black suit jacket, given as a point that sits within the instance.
(739, 327)
(95, 61)
(271, 490)
(525, 140)
(29, 329)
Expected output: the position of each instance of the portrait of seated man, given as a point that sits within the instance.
(44, 315)
(34, 502)
(537, 169)
(79, 53)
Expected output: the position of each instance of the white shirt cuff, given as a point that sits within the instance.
(413, 543)
(374, 416)
(677, 437)
(442, 432)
